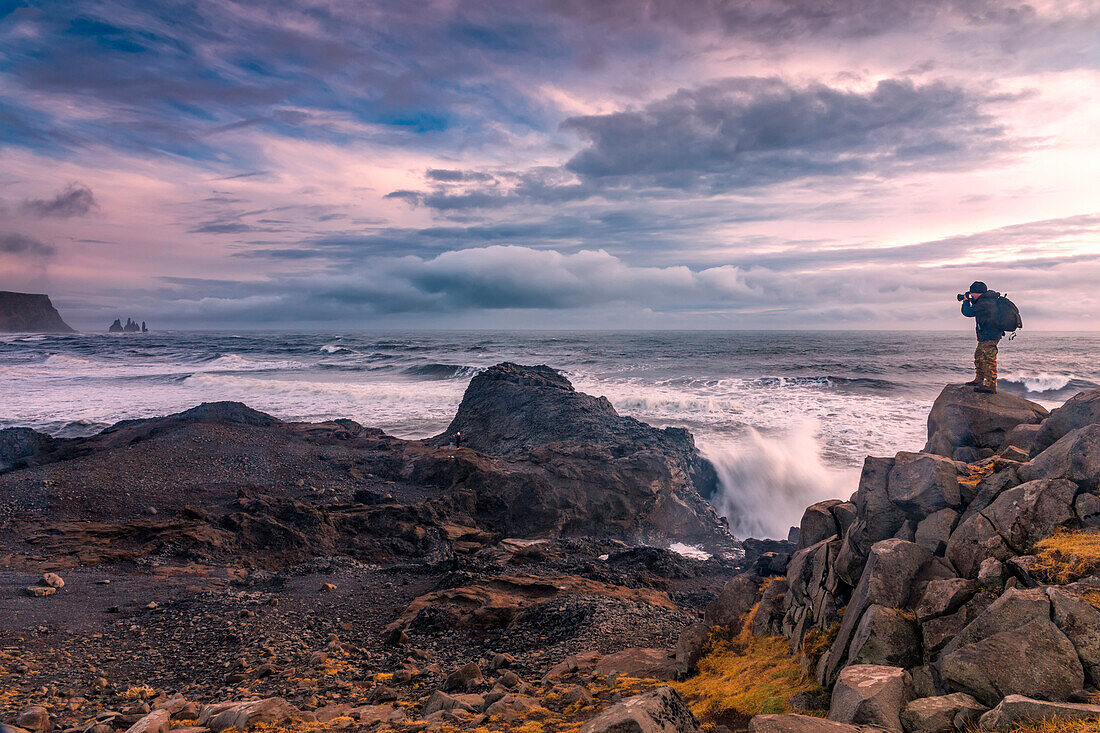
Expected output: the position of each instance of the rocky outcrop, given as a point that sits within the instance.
(131, 326)
(868, 694)
(964, 423)
(586, 469)
(30, 313)
(927, 571)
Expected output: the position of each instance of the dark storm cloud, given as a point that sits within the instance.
(22, 246)
(75, 199)
(758, 131)
(746, 133)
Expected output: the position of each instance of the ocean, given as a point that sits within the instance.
(786, 417)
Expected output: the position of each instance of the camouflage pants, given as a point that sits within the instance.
(985, 363)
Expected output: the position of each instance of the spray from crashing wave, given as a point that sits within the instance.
(767, 481)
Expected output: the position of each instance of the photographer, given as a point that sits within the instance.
(981, 304)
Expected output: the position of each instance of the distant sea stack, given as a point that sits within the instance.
(130, 327)
(30, 313)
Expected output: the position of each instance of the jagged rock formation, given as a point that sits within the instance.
(588, 470)
(926, 574)
(30, 313)
(131, 326)
(512, 410)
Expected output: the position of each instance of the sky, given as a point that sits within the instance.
(558, 164)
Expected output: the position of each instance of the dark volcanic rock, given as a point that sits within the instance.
(586, 470)
(963, 418)
(511, 409)
(30, 313)
(1080, 410)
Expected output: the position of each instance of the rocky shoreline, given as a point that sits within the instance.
(221, 569)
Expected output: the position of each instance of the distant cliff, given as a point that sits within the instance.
(30, 312)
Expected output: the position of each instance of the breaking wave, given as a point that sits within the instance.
(1046, 383)
(765, 482)
(441, 371)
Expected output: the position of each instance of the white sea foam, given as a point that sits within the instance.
(689, 551)
(767, 481)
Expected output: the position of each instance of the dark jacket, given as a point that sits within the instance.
(984, 310)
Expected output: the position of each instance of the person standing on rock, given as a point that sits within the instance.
(982, 304)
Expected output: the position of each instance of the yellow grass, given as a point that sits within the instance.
(745, 675)
(1067, 556)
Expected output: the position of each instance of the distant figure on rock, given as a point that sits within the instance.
(995, 314)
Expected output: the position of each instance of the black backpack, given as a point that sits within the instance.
(1007, 315)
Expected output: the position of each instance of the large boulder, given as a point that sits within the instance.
(935, 530)
(1015, 520)
(659, 711)
(1076, 456)
(943, 596)
(938, 714)
(274, 711)
(963, 418)
(1027, 513)
(20, 446)
(1013, 648)
(879, 517)
(1016, 711)
(598, 472)
(1079, 411)
(690, 647)
(818, 523)
(869, 694)
(34, 718)
(1079, 620)
(736, 599)
(885, 636)
(923, 483)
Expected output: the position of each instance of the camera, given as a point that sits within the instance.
(962, 296)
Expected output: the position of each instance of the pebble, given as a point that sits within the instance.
(53, 580)
(39, 591)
